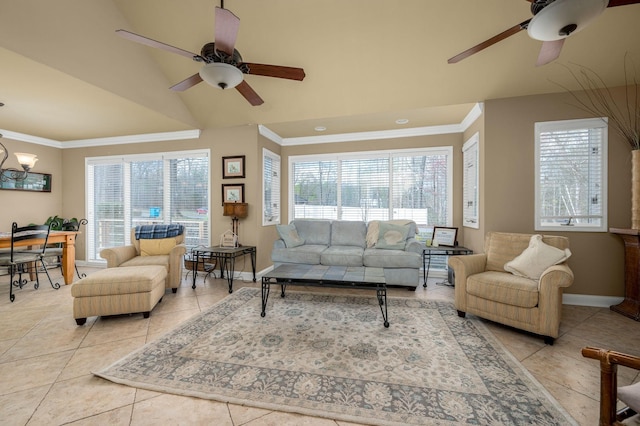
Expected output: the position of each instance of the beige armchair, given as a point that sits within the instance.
(484, 288)
(140, 252)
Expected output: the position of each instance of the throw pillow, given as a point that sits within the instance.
(536, 258)
(156, 247)
(392, 237)
(630, 395)
(373, 230)
(289, 235)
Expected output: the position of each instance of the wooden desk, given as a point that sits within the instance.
(68, 240)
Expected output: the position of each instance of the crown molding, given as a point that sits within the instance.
(269, 134)
(142, 138)
(22, 137)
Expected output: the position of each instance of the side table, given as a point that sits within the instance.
(226, 258)
(630, 306)
(430, 251)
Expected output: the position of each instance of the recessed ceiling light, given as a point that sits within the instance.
(319, 128)
(402, 121)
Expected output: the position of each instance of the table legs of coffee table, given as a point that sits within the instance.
(266, 286)
(382, 301)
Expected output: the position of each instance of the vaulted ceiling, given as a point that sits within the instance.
(65, 75)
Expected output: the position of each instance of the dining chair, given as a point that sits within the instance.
(18, 262)
(55, 250)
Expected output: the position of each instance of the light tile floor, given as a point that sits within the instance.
(46, 360)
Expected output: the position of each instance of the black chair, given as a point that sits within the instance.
(56, 249)
(20, 262)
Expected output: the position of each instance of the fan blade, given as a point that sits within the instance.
(490, 42)
(614, 3)
(153, 43)
(187, 83)
(549, 52)
(226, 30)
(276, 71)
(249, 94)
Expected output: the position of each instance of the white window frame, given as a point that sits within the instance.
(275, 218)
(471, 182)
(116, 159)
(442, 150)
(568, 125)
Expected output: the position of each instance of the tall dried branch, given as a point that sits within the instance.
(597, 99)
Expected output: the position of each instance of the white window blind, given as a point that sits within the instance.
(374, 186)
(571, 175)
(270, 188)
(470, 191)
(123, 192)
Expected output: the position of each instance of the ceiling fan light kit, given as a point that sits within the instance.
(221, 75)
(561, 18)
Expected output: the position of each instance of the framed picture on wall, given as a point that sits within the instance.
(233, 193)
(445, 236)
(233, 167)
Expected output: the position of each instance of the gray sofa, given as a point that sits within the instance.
(353, 243)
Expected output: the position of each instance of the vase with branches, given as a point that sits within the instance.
(622, 114)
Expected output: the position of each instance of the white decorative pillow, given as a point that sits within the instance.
(373, 230)
(536, 258)
(630, 395)
(289, 234)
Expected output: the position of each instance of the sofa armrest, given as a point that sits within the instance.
(555, 276)
(176, 256)
(414, 246)
(115, 256)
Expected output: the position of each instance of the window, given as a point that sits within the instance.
(368, 186)
(270, 188)
(470, 191)
(571, 175)
(126, 191)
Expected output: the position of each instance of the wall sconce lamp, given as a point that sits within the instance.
(27, 161)
(236, 211)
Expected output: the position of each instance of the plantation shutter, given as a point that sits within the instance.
(571, 175)
(270, 188)
(470, 195)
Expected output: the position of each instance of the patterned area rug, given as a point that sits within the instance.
(330, 356)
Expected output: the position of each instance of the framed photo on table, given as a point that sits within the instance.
(445, 236)
(233, 167)
(233, 193)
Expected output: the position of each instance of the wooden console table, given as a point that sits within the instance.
(630, 306)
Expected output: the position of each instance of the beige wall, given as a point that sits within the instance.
(25, 207)
(508, 187)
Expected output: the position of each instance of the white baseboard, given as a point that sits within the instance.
(590, 300)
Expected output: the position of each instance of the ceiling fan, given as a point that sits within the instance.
(552, 22)
(223, 66)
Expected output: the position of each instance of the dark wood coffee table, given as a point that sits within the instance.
(327, 276)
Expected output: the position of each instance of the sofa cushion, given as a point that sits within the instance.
(289, 235)
(393, 237)
(161, 260)
(157, 246)
(536, 258)
(504, 288)
(342, 256)
(348, 233)
(314, 231)
(391, 259)
(306, 254)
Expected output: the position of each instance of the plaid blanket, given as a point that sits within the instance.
(152, 232)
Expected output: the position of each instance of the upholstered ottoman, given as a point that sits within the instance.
(114, 291)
